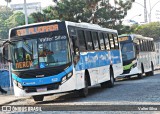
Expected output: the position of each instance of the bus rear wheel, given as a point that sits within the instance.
(152, 69)
(38, 97)
(84, 92)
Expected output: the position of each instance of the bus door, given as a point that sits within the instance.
(76, 57)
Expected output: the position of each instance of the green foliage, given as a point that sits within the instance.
(5, 13)
(149, 30)
(100, 12)
(15, 20)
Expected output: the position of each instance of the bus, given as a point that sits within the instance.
(138, 55)
(61, 56)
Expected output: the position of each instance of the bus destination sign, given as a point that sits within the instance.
(121, 39)
(36, 30)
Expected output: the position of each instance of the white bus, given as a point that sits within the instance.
(61, 56)
(138, 55)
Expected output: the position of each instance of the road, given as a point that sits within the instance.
(132, 91)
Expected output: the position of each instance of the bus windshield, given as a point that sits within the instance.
(128, 52)
(40, 53)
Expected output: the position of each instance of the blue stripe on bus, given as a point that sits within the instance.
(44, 80)
(97, 59)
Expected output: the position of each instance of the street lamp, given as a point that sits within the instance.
(151, 8)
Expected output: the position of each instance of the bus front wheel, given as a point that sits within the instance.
(140, 75)
(109, 83)
(84, 92)
(38, 98)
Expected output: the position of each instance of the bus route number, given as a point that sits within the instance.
(60, 37)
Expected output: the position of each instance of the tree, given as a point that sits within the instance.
(100, 12)
(17, 19)
(149, 30)
(5, 13)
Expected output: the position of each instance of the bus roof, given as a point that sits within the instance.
(82, 24)
(136, 36)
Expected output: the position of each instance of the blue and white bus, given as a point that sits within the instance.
(62, 56)
(138, 55)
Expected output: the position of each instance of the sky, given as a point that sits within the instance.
(136, 13)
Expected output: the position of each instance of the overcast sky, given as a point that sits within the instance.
(132, 14)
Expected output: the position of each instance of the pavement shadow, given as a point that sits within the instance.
(74, 96)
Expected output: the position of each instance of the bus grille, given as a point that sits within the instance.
(49, 87)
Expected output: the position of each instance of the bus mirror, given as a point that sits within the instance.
(5, 52)
(76, 59)
(77, 51)
(76, 56)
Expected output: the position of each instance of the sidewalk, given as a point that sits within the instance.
(9, 97)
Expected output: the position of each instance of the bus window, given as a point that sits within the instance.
(111, 41)
(89, 40)
(152, 44)
(141, 45)
(95, 40)
(101, 41)
(82, 42)
(106, 41)
(116, 41)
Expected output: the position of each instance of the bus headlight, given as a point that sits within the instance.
(69, 75)
(20, 85)
(65, 78)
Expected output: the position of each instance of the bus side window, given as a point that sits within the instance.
(101, 40)
(95, 40)
(148, 46)
(107, 43)
(82, 42)
(153, 48)
(142, 45)
(89, 40)
(116, 41)
(111, 41)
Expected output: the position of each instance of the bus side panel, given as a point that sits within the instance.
(94, 62)
(116, 62)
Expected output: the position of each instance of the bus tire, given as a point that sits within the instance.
(140, 75)
(110, 83)
(38, 97)
(84, 92)
(152, 69)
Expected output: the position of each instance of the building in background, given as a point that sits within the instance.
(31, 7)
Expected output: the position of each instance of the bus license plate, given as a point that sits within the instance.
(41, 89)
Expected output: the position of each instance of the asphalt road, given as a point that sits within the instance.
(127, 95)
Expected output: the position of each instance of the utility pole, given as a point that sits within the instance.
(25, 12)
(145, 12)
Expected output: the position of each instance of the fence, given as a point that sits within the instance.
(4, 76)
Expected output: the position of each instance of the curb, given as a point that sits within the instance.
(12, 101)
